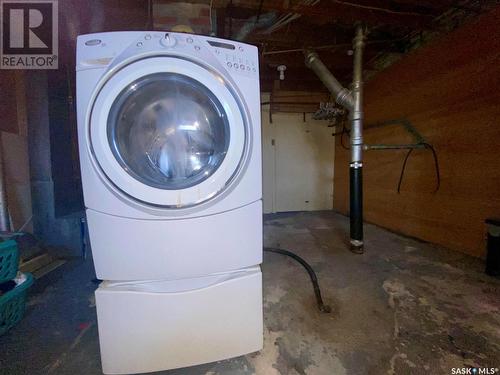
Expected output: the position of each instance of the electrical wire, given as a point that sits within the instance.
(427, 146)
(436, 167)
(210, 15)
(344, 131)
(403, 168)
(289, 17)
(150, 23)
(230, 11)
(378, 9)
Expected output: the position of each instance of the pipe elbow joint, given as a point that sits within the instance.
(344, 98)
(310, 56)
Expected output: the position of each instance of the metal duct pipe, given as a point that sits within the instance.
(353, 101)
(356, 164)
(342, 95)
(253, 23)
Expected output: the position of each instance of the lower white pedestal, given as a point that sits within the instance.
(161, 325)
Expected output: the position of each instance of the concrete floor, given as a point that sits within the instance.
(403, 307)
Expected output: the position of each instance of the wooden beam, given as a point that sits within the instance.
(429, 4)
(297, 60)
(333, 10)
(302, 34)
(335, 59)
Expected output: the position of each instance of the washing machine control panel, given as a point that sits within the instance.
(241, 64)
(167, 41)
(237, 58)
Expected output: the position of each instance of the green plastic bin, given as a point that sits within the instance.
(13, 304)
(9, 260)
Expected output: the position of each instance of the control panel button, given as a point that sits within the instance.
(189, 40)
(168, 41)
(197, 48)
(242, 67)
(229, 64)
(139, 44)
(147, 37)
(235, 66)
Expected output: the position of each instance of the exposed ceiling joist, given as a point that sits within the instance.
(330, 11)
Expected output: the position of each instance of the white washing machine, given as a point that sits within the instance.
(170, 152)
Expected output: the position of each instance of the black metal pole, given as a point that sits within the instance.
(356, 206)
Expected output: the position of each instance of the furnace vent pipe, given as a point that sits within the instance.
(356, 164)
(353, 101)
(341, 94)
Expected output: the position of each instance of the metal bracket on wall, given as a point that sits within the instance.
(419, 139)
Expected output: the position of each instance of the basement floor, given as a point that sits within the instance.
(404, 307)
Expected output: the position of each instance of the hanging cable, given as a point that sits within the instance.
(410, 148)
(403, 168)
(436, 167)
(344, 131)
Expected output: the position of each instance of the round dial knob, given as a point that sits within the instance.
(168, 41)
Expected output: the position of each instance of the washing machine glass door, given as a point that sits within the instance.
(168, 132)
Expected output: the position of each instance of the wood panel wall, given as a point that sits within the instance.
(450, 91)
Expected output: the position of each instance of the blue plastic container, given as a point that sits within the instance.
(9, 260)
(13, 304)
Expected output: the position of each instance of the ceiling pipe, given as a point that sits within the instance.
(253, 23)
(341, 94)
(352, 100)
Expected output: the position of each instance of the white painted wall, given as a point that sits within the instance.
(298, 168)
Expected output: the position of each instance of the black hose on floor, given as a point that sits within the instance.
(314, 279)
